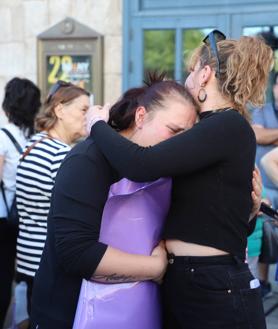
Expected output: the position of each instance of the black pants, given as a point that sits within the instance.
(211, 293)
(8, 235)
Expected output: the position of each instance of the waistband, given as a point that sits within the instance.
(217, 260)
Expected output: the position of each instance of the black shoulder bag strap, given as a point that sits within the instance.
(19, 149)
(14, 141)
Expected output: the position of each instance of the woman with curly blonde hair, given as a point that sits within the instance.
(207, 283)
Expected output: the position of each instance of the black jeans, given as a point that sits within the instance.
(8, 235)
(210, 293)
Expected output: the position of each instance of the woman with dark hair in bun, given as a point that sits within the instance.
(115, 245)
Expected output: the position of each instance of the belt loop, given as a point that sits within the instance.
(171, 258)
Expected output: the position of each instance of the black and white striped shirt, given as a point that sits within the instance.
(34, 182)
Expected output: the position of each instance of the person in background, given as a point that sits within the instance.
(270, 164)
(21, 104)
(61, 122)
(265, 126)
(254, 244)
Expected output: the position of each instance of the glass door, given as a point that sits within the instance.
(166, 45)
(160, 49)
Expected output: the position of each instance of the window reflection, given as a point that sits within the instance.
(192, 38)
(159, 51)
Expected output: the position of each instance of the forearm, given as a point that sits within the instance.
(266, 136)
(184, 153)
(270, 164)
(117, 267)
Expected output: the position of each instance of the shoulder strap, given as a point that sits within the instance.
(4, 197)
(14, 141)
(19, 149)
(30, 148)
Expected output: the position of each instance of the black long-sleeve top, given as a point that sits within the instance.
(72, 250)
(211, 165)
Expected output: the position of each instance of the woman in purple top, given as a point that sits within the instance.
(135, 212)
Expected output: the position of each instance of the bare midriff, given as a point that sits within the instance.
(180, 248)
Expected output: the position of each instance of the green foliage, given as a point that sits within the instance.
(191, 40)
(159, 51)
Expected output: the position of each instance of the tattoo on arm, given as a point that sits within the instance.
(114, 278)
(118, 278)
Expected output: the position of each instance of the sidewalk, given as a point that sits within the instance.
(271, 303)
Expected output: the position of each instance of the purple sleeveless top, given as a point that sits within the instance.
(132, 221)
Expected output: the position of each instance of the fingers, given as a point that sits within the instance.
(95, 113)
(257, 182)
(106, 107)
(255, 198)
(257, 188)
(258, 177)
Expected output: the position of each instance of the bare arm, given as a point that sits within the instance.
(265, 136)
(270, 164)
(117, 266)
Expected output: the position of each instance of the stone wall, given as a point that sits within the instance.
(22, 20)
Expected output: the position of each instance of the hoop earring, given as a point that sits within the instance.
(202, 95)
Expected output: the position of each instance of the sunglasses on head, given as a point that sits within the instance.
(53, 90)
(211, 40)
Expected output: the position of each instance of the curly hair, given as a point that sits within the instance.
(244, 69)
(21, 103)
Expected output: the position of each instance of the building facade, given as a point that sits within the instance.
(138, 35)
(23, 21)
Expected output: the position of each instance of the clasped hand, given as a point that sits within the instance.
(96, 113)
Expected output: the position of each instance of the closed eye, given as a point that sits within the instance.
(175, 130)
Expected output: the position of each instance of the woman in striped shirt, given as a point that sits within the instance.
(60, 124)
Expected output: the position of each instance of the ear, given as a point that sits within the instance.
(205, 75)
(140, 116)
(58, 110)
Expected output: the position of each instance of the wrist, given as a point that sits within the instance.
(158, 266)
(93, 121)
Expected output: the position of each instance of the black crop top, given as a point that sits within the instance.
(211, 165)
